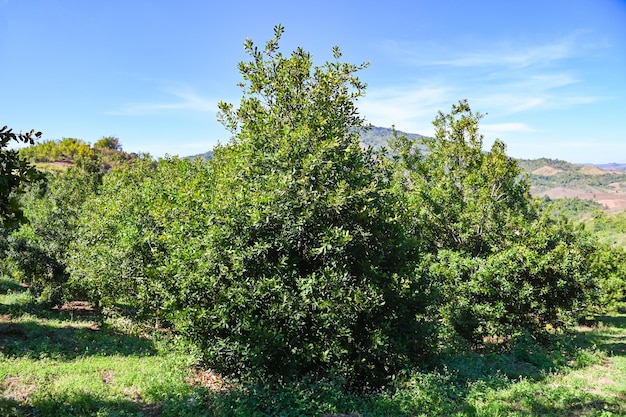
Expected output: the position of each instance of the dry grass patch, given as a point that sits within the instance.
(17, 389)
(547, 171)
(207, 379)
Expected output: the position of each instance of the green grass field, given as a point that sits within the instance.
(73, 362)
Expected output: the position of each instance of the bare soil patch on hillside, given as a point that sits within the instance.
(613, 200)
(592, 170)
(546, 171)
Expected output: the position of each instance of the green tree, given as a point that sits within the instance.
(303, 259)
(108, 142)
(465, 199)
(502, 266)
(15, 173)
(39, 249)
(609, 268)
(106, 152)
(128, 235)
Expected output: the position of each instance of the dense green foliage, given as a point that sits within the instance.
(15, 173)
(295, 253)
(502, 266)
(40, 248)
(608, 261)
(67, 149)
(573, 208)
(610, 228)
(304, 267)
(131, 232)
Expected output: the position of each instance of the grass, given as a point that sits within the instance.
(73, 362)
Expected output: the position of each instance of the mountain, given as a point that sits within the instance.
(206, 155)
(550, 178)
(378, 137)
(555, 179)
(612, 167)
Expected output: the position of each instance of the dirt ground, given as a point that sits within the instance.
(614, 201)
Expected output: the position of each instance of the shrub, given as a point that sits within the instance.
(39, 249)
(302, 264)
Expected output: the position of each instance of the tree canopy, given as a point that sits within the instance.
(15, 173)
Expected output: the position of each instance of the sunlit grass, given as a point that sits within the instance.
(56, 362)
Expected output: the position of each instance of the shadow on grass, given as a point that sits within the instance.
(12, 408)
(608, 335)
(30, 339)
(614, 321)
(9, 286)
(21, 302)
(317, 399)
(76, 405)
(32, 329)
(308, 400)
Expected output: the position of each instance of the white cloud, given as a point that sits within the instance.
(410, 109)
(512, 56)
(183, 99)
(500, 77)
(509, 53)
(494, 129)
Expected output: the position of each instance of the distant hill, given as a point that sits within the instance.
(557, 179)
(206, 155)
(376, 137)
(612, 167)
(551, 178)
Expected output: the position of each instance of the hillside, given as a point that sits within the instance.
(556, 179)
(551, 178)
(613, 167)
(378, 137)
(206, 155)
(58, 155)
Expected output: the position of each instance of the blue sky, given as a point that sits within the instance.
(549, 75)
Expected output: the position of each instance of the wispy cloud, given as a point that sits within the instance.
(527, 92)
(182, 99)
(509, 79)
(509, 53)
(510, 56)
(494, 129)
(408, 108)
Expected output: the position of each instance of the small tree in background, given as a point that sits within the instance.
(465, 199)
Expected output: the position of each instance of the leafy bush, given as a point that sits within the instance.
(501, 267)
(462, 198)
(121, 252)
(67, 149)
(15, 174)
(609, 268)
(39, 249)
(302, 267)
